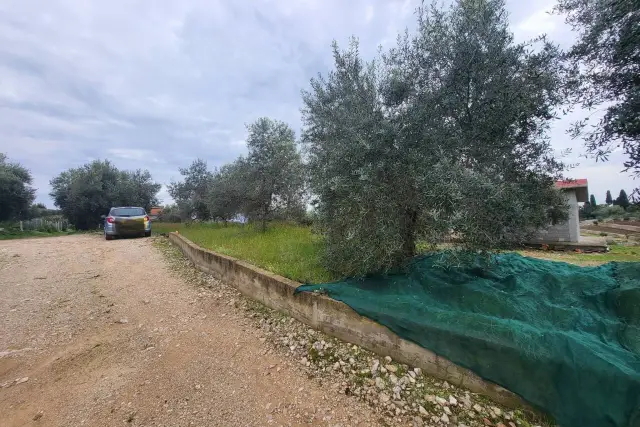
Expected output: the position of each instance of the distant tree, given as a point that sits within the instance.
(607, 53)
(609, 200)
(622, 200)
(39, 210)
(227, 193)
(139, 187)
(170, 213)
(586, 211)
(191, 193)
(85, 193)
(592, 200)
(273, 170)
(16, 194)
(445, 134)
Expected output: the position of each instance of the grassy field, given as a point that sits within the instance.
(288, 250)
(294, 251)
(617, 253)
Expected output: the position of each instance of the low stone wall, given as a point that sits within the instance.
(335, 318)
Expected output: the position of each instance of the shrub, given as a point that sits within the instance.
(605, 212)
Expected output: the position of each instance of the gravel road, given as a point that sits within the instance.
(101, 333)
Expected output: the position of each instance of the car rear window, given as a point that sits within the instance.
(128, 212)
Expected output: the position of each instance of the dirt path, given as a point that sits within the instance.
(102, 333)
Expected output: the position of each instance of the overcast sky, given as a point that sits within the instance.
(155, 84)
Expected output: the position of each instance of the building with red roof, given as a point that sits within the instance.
(575, 191)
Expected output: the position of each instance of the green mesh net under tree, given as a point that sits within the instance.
(565, 338)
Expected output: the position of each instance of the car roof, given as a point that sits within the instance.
(127, 207)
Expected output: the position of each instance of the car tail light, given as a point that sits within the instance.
(111, 219)
(146, 217)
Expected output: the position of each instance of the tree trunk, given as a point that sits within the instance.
(409, 244)
(264, 218)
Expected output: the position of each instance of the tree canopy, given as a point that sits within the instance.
(266, 184)
(607, 54)
(608, 199)
(444, 136)
(85, 193)
(274, 176)
(227, 193)
(622, 200)
(191, 193)
(16, 194)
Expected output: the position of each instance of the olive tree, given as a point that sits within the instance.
(272, 171)
(444, 136)
(191, 193)
(607, 53)
(16, 194)
(85, 193)
(227, 192)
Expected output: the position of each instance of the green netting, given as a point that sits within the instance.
(565, 338)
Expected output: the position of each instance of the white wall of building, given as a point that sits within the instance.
(568, 231)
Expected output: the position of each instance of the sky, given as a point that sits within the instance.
(155, 85)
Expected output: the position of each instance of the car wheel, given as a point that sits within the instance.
(147, 234)
(108, 237)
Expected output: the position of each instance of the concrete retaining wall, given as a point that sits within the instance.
(335, 318)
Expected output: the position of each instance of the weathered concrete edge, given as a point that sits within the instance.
(336, 319)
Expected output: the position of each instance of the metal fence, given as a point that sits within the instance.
(45, 224)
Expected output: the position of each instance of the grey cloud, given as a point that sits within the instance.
(156, 84)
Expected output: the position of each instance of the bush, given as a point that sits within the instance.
(170, 214)
(606, 212)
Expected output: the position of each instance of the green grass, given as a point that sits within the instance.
(288, 250)
(31, 234)
(293, 251)
(620, 253)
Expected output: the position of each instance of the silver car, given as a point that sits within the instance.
(126, 221)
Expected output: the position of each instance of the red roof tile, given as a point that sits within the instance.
(571, 183)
